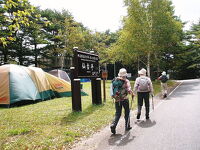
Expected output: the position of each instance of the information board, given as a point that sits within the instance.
(86, 64)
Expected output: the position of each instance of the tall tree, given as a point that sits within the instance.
(149, 29)
(190, 55)
(167, 32)
(37, 34)
(14, 15)
(63, 34)
(103, 41)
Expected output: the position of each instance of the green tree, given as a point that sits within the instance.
(102, 42)
(167, 32)
(194, 35)
(37, 34)
(63, 34)
(188, 59)
(150, 29)
(15, 14)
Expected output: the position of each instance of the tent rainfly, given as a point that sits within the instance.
(19, 83)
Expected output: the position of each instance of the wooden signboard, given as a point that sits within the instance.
(86, 64)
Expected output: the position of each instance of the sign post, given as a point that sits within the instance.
(96, 91)
(104, 76)
(86, 65)
(76, 91)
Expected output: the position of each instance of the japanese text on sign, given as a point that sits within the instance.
(87, 64)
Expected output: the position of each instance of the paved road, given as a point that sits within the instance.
(174, 125)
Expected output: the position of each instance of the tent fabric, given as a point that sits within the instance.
(60, 74)
(60, 87)
(19, 83)
(22, 86)
(4, 84)
(16, 85)
(63, 75)
(39, 78)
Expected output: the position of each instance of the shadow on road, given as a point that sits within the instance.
(120, 140)
(146, 124)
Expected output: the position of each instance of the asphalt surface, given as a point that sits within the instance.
(174, 125)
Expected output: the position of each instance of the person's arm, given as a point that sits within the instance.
(128, 87)
(135, 86)
(159, 78)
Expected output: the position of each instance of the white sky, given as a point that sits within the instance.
(101, 15)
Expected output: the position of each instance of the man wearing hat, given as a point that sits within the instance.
(163, 79)
(143, 87)
(120, 88)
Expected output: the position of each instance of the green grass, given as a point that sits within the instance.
(52, 124)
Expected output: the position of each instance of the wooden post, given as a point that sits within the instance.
(104, 90)
(93, 84)
(76, 92)
(96, 91)
(104, 76)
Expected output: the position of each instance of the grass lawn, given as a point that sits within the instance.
(52, 124)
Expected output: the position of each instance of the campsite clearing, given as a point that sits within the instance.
(52, 124)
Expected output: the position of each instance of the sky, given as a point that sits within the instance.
(100, 15)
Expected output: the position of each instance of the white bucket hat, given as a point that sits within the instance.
(142, 72)
(122, 72)
(163, 73)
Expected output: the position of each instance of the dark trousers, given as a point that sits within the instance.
(118, 108)
(143, 96)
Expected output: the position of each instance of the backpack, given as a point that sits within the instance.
(163, 79)
(119, 90)
(143, 84)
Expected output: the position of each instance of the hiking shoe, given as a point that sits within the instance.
(112, 128)
(147, 117)
(128, 128)
(138, 116)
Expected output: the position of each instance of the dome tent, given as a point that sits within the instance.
(60, 74)
(18, 83)
(63, 75)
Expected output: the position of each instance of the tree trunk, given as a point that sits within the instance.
(20, 53)
(158, 67)
(148, 66)
(36, 55)
(5, 55)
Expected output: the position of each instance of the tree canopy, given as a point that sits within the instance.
(150, 31)
(151, 37)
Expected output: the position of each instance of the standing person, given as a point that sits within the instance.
(143, 87)
(163, 80)
(120, 88)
